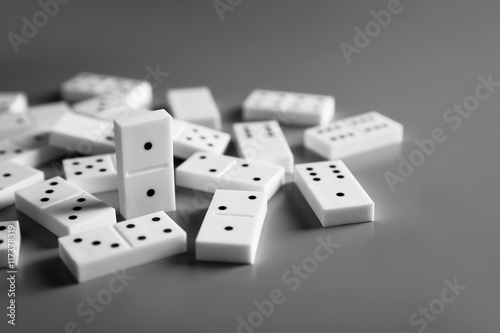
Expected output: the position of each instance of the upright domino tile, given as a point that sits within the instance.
(144, 156)
(63, 208)
(289, 107)
(10, 244)
(195, 105)
(88, 85)
(263, 141)
(108, 107)
(191, 138)
(130, 243)
(209, 172)
(13, 102)
(231, 229)
(14, 177)
(353, 135)
(333, 193)
(84, 135)
(93, 174)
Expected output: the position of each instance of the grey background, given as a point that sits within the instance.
(441, 223)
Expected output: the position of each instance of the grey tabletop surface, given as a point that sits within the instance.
(429, 263)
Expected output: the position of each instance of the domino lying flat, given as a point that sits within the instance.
(353, 135)
(263, 142)
(14, 177)
(130, 243)
(82, 134)
(191, 138)
(13, 102)
(231, 229)
(87, 85)
(289, 108)
(12, 123)
(195, 105)
(145, 163)
(333, 193)
(9, 234)
(93, 174)
(108, 107)
(209, 172)
(63, 208)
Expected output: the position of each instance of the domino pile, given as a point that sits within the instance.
(115, 143)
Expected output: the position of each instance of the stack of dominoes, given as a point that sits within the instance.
(113, 142)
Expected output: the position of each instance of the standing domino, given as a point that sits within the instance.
(144, 156)
(353, 135)
(209, 172)
(63, 208)
(93, 174)
(14, 177)
(10, 244)
(130, 243)
(195, 105)
(264, 142)
(231, 228)
(333, 193)
(13, 102)
(289, 108)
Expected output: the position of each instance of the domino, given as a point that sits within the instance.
(128, 244)
(10, 244)
(353, 135)
(195, 105)
(144, 159)
(209, 172)
(190, 138)
(289, 108)
(83, 135)
(88, 85)
(63, 208)
(231, 229)
(12, 123)
(13, 102)
(263, 142)
(333, 193)
(109, 107)
(14, 177)
(93, 174)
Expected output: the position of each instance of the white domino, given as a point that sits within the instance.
(88, 85)
(231, 229)
(353, 135)
(209, 172)
(195, 105)
(14, 177)
(109, 107)
(191, 138)
(93, 174)
(13, 102)
(122, 246)
(12, 123)
(289, 107)
(84, 135)
(333, 193)
(10, 244)
(144, 158)
(63, 208)
(263, 141)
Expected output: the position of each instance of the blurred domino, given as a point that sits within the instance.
(13, 102)
(353, 135)
(333, 193)
(264, 142)
(12, 123)
(144, 158)
(130, 243)
(63, 208)
(191, 138)
(289, 107)
(82, 134)
(14, 177)
(93, 174)
(231, 229)
(209, 172)
(108, 107)
(9, 234)
(195, 105)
